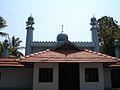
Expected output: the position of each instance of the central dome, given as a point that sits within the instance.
(62, 37)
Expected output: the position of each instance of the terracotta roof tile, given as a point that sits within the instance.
(116, 65)
(68, 56)
(10, 62)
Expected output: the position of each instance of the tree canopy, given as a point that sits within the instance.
(2, 25)
(13, 47)
(109, 31)
(14, 43)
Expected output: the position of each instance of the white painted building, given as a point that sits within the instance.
(72, 68)
(62, 68)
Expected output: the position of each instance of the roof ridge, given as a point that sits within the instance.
(55, 41)
(101, 54)
(43, 41)
(33, 54)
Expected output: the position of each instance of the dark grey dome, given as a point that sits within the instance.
(93, 19)
(30, 18)
(6, 41)
(62, 37)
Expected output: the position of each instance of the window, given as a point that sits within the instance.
(91, 75)
(45, 75)
(115, 78)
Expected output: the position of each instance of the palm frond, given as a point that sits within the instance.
(20, 48)
(3, 34)
(2, 22)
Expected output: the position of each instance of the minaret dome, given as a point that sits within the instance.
(30, 21)
(30, 18)
(93, 21)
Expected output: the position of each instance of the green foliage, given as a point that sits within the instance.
(109, 31)
(14, 43)
(2, 22)
(117, 34)
(1, 48)
(2, 25)
(13, 48)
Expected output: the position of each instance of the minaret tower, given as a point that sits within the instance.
(94, 30)
(117, 48)
(29, 36)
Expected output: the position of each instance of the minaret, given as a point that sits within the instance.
(117, 48)
(94, 30)
(5, 49)
(29, 36)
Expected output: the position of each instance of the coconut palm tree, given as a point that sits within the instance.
(14, 46)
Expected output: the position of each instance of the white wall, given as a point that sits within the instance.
(16, 77)
(91, 85)
(107, 77)
(45, 86)
(54, 85)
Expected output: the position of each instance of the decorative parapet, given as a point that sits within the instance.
(43, 43)
(84, 44)
(53, 43)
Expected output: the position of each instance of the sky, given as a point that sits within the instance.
(49, 15)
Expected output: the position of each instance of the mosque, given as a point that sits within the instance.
(61, 65)
(33, 46)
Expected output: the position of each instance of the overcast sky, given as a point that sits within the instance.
(49, 15)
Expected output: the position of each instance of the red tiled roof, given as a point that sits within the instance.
(10, 62)
(116, 65)
(68, 56)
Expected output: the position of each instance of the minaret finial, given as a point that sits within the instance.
(93, 14)
(31, 14)
(62, 28)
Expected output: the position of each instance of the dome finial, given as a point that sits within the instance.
(62, 28)
(93, 15)
(31, 14)
(61, 36)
